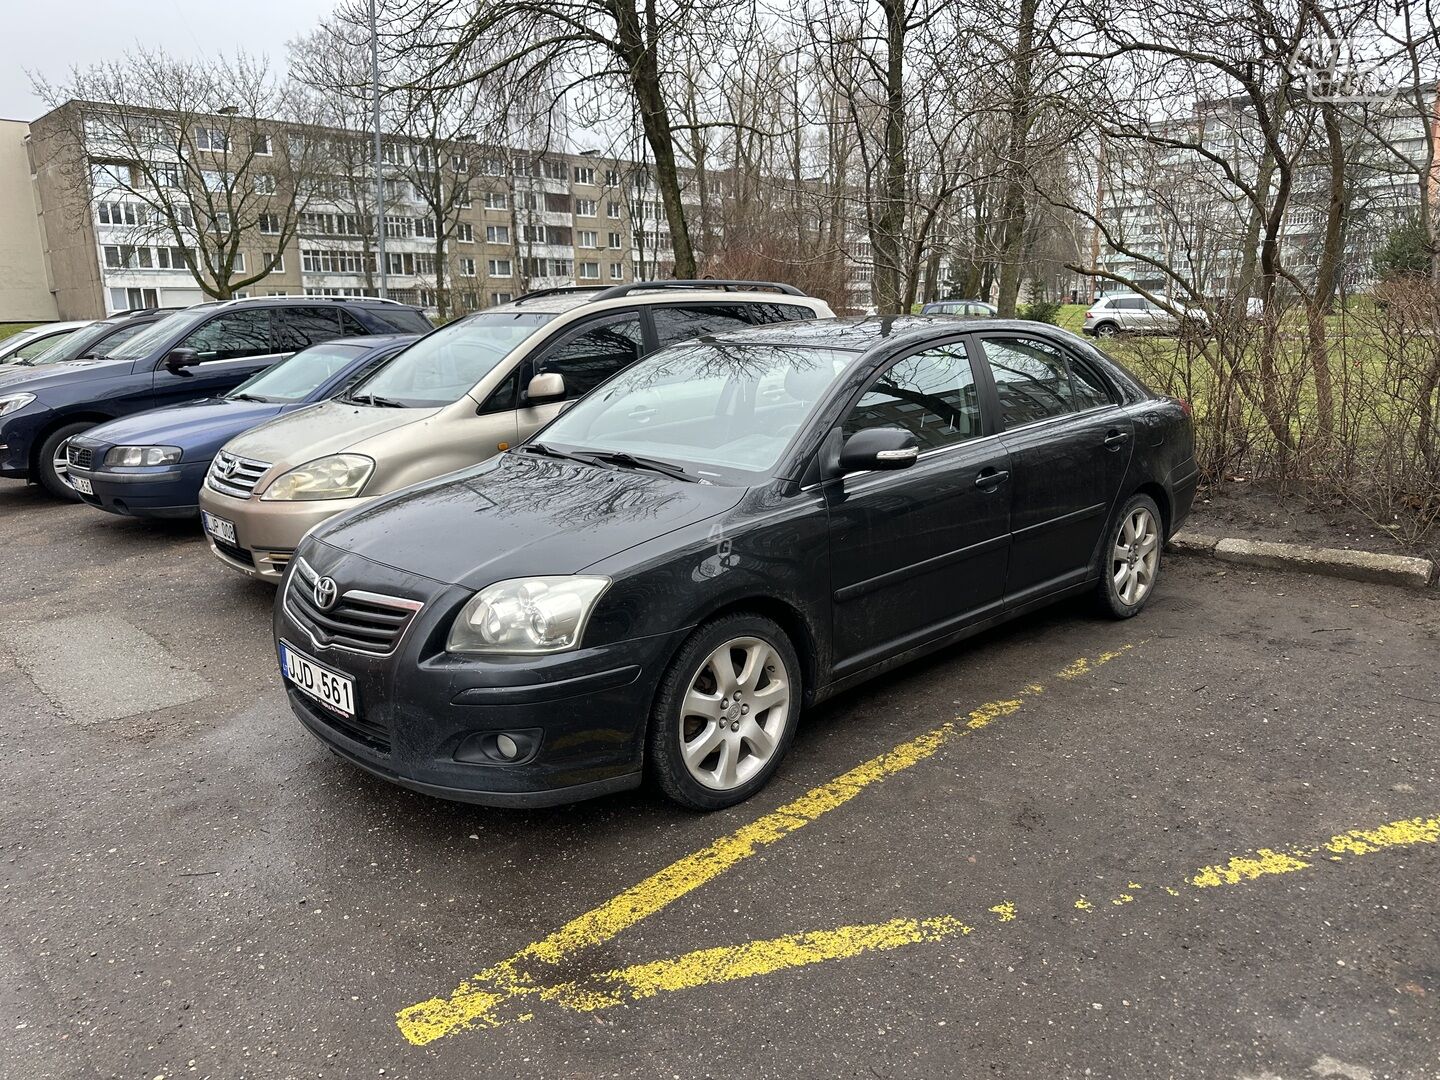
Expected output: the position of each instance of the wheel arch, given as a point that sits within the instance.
(789, 618)
(1161, 497)
(93, 418)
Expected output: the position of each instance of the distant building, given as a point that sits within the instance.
(25, 289)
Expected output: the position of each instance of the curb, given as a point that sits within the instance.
(1403, 570)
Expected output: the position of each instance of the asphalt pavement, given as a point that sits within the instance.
(1201, 843)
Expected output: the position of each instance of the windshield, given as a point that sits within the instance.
(716, 410)
(298, 377)
(157, 332)
(79, 344)
(443, 367)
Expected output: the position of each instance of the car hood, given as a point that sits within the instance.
(33, 380)
(519, 515)
(198, 426)
(331, 427)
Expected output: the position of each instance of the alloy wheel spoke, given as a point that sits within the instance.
(762, 743)
(700, 747)
(699, 703)
(769, 696)
(725, 768)
(723, 668)
(757, 655)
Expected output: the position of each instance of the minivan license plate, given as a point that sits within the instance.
(325, 686)
(219, 528)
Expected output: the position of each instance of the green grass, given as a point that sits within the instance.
(8, 328)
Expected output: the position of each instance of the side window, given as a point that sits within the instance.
(594, 354)
(350, 326)
(1090, 391)
(674, 324)
(395, 319)
(35, 348)
(930, 393)
(1129, 303)
(300, 327)
(502, 398)
(119, 337)
(231, 336)
(1032, 379)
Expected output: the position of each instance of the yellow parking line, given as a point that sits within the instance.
(708, 967)
(473, 1002)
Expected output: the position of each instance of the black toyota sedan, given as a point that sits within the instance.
(660, 580)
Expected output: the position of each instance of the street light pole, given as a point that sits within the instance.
(379, 177)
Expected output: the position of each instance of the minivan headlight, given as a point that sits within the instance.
(143, 455)
(526, 615)
(339, 476)
(14, 402)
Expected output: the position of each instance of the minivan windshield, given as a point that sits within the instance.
(145, 341)
(442, 367)
(299, 376)
(719, 411)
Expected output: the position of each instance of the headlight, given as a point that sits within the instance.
(14, 402)
(143, 455)
(526, 615)
(339, 476)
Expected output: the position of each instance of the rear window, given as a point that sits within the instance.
(397, 320)
(683, 322)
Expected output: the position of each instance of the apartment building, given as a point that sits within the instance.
(125, 212)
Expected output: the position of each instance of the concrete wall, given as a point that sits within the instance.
(67, 221)
(24, 280)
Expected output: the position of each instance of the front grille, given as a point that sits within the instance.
(279, 559)
(239, 554)
(234, 476)
(360, 728)
(80, 456)
(359, 621)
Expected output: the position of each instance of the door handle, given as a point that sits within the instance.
(991, 478)
(1116, 438)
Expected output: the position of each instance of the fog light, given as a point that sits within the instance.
(507, 748)
(514, 747)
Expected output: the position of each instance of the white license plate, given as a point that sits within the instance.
(82, 485)
(219, 527)
(321, 683)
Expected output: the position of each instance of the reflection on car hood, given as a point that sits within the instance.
(34, 379)
(198, 426)
(518, 515)
(331, 427)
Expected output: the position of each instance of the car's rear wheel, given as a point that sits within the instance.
(53, 467)
(1107, 330)
(1130, 560)
(725, 713)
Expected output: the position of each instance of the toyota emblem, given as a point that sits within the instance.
(326, 593)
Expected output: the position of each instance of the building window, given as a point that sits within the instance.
(142, 298)
(425, 226)
(615, 241)
(462, 198)
(214, 180)
(617, 271)
(269, 224)
(467, 267)
(465, 232)
(264, 184)
(261, 144)
(275, 261)
(208, 138)
(497, 234)
(532, 234)
(588, 239)
(612, 178)
(584, 174)
(314, 261)
(590, 271)
(459, 162)
(553, 170)
(500, 297)
(493, 167)
(612, 210)
(585, 207)
(398, 227)
(500, 268)
(496, 200)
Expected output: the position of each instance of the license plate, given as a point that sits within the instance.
(80, 484)
(321, 683)
(219, 527)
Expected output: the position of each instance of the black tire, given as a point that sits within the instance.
(1110, 594)
(45, 471)
(664, 735)
(1107, 330)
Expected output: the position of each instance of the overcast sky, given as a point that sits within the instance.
(51, 36)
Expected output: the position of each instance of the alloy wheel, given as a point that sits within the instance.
(734, 714)
(60, 462)
(1136, 556)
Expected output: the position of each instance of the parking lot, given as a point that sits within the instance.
(1198, 843)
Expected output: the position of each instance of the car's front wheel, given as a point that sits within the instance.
(1130, 560)
(725, 713)
(1107, 330)
(53, 466)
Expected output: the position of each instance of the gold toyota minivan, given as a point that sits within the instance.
(453, 398)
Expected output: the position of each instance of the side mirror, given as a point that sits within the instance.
(547, 386)
(884, 448)
(182, 358)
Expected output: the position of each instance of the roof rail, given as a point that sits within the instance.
(702, 283)
(313, 299)
(535, 295)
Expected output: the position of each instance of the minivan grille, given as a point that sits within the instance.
(80, 456)
(357, 621)
(234, 476)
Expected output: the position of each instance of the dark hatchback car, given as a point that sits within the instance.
(726, 532)
(152, 464)
(195, 353)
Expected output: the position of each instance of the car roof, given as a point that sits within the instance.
(865, 332)
(558, 302)
(370, 342)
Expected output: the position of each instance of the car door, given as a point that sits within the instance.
(585, 355)
(232, 346)
(921, 551)
(1069, 444)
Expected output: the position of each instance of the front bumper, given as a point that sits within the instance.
(421, 712)
(266, 533)
(162, 491)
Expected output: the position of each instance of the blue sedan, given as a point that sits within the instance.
(153, 463)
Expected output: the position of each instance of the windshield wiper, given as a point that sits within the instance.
(630, 461)
(550, 451)
(374, 399)
(247, 397)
